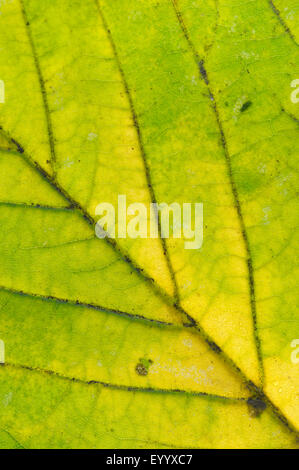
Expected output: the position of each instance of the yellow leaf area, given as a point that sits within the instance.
(139, 342)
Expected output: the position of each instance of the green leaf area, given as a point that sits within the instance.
(141, 343)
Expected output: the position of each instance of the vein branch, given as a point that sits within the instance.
(290, 115)
(12, 437)
(35, 206)
(117, 386)
(113, 386)
(204, 75)
(79, 303)
(42, 88)
(141, 146)
(282, 21)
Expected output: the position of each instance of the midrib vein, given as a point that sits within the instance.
(204, 76)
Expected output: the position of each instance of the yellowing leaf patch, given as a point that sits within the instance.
(140, 343)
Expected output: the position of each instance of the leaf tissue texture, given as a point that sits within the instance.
(139, 342)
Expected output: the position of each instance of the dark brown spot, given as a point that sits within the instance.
(245, 106)
(143, 366)
(141, 369)
(256, 406)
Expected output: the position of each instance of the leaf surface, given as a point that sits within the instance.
(140, 342)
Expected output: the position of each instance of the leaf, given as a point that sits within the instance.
(139, 342)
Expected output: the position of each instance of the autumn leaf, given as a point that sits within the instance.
(141, 343)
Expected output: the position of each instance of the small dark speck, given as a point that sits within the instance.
(245, 106)
(203, 71)
(214, 347)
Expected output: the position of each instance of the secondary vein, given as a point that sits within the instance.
(141, 146)
(281, 20)
(204, 75)
(118, 386)
(79, 303)
(42, 88)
